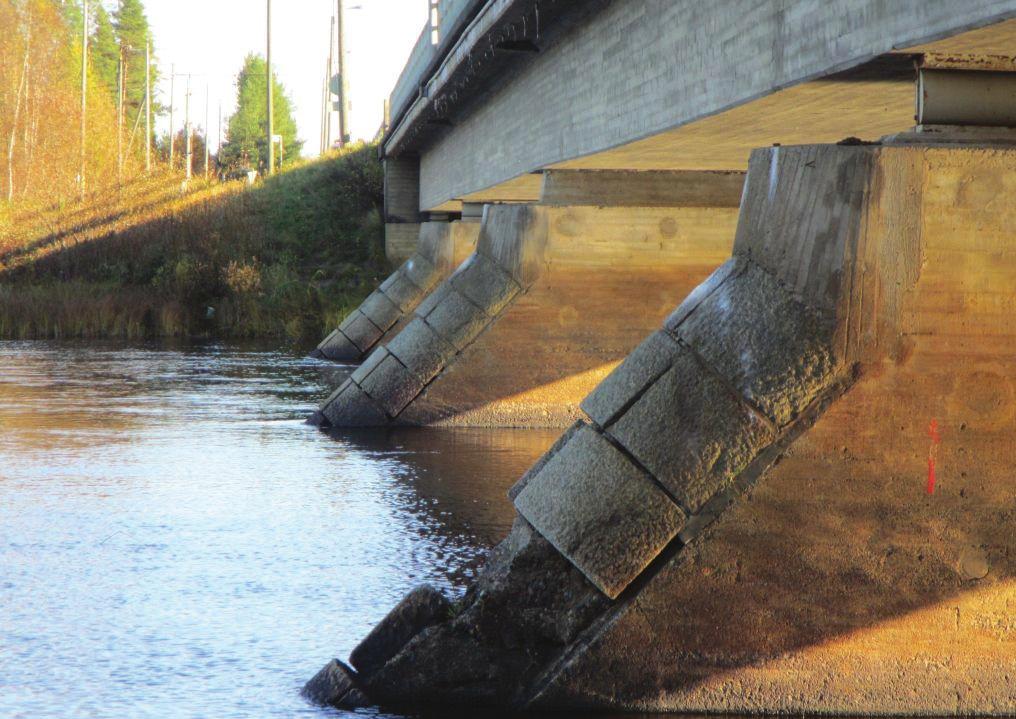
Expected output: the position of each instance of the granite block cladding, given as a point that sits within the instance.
(390, 306)
(446, 322)
(739, 523)
(531, 323)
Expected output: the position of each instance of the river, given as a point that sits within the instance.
(176, 542)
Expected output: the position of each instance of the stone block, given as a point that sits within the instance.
(338, 348)
(640, 369)
(369, 364)
(421, 272)
(391, 385)
(350, 406)
(485, 284)
(691, 432)
(421, 608)
(776, 351)
(360, 330)
(422, 350)
(803, 211)
(516, 489)
(457, 319)
(380, 310)
(600, 511)
(402, 291)
(354, 699)
(331, 685)
(433, 299)
(698, 295)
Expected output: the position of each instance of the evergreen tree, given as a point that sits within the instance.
(133, 32)
(71, 11)
(246, 144)
(104, 49)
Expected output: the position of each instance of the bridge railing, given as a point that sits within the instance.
(453, 15)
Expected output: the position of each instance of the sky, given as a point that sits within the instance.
(209, 38)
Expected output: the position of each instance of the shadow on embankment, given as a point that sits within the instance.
(286, 258)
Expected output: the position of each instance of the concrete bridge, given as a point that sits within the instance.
(758, 262)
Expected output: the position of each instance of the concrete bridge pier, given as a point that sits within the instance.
(554, 297)
(795, 496)
(440, 247)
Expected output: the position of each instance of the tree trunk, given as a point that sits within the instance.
(17, 112)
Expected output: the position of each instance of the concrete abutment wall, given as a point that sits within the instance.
(502, 344)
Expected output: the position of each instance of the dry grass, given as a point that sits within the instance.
(286, 258)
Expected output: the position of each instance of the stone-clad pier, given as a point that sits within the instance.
(784, 375)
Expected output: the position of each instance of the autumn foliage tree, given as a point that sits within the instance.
(40, 96)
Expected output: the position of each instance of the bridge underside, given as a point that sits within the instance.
(794, 497)
(869, 101)
(794, 493)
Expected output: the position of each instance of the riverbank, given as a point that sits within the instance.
(287, 258)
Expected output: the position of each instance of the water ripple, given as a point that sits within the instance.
(175, 542)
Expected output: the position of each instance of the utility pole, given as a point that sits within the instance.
(326, 109)
(218, 147)
(206, 130)
(172, 101)
(84, 91)
(328, 79)
(321, 115)
(148, 105)
(343, 85)
(119, 119)
(187, 129)
(271, 110)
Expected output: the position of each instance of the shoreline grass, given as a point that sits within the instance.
(287, 258)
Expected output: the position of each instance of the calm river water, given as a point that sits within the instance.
(175, 542)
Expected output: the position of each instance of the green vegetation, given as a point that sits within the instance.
(132, 33)
(143, 255)
(287, 258)
(104, 48)
(246, 144)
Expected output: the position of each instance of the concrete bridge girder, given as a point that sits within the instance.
(790, 87)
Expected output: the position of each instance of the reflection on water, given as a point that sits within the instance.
(175, 542)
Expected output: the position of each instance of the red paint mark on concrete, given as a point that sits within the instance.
(932, 454)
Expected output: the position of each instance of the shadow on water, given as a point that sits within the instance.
(175, 541)
(459, 477)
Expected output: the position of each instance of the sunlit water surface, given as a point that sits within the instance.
(176, 542)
